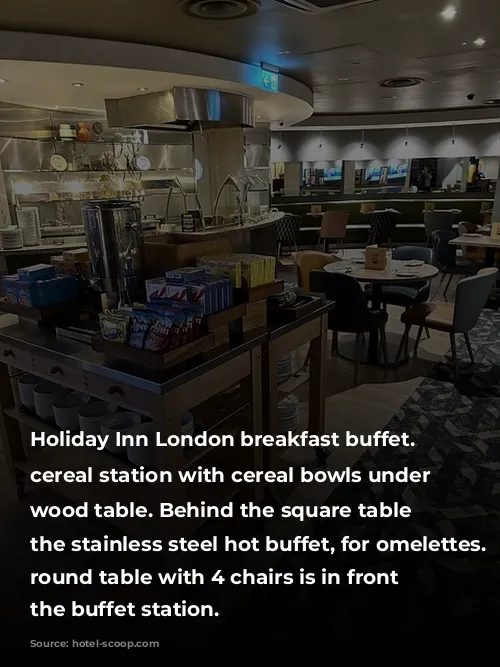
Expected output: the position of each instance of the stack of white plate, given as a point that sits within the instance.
(285, 367)
(29, 224)
(288, 414)
(11, 238)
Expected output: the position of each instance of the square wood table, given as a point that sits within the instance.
(490, 244)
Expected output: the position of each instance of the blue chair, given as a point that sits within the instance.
(446, 258)
(406, 295)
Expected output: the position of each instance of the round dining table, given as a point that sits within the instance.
(397, 272)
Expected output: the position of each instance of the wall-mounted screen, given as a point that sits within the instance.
(381, 173)
(322, 174)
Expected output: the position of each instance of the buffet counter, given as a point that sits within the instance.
(257, 237)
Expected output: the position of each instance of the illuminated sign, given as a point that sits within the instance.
(269, 80)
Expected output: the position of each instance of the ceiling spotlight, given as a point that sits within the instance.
(344, 78)
(464, 43)
(449, 13)
(141, 89)
(284, 52)
(494, 100)
(480, 41)
(3, 81)
(436, 81)
(77, 84)
(56, 106)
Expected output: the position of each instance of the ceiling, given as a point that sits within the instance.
(342, 54)
(49, 85)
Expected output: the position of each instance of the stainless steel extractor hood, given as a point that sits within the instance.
(181, 109)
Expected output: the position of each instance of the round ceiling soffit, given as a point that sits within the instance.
(220, 10)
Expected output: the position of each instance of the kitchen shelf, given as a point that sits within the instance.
(103, 172)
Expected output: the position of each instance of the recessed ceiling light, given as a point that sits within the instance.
(464, 43)
(436, 81)
(3, 81)
(77, 84)
(480, 41)
(449, 13)
(56, 106)
(141, 89)
(343, 78)
(284, 52)
(494, 100)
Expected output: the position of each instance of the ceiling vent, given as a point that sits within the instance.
(320, 6)
(220, 10)
(401, 82)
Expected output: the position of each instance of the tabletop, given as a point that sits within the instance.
(480, 241)
(397, 272)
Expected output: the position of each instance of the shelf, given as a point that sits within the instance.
(150, 495)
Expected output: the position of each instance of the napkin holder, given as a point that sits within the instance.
(495, 231)
(375, 258)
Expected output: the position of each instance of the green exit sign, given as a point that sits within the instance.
(269, 80)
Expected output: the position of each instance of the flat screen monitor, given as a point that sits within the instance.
(333, 174)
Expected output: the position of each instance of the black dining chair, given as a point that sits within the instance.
(382, 224)
(446, 258)
(287, 231)
(351, 313)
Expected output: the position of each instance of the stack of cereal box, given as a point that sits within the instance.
(243, 269)
(193, 286)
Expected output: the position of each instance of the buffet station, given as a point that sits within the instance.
(139, 335)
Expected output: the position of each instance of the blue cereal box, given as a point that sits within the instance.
(188, 274)
(37, 272)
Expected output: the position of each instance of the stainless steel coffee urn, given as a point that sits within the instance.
(116, 246)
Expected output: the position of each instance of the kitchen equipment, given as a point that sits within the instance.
(58, 162)
(91, 415)
(44, 395)
(67, 132)
(116, 244)
(26, 384)
(66, 409)
(118, 422)
(28, 220)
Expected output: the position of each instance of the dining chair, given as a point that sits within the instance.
(287, 231)
(435, 220)
(406, 295)
(446, 258)
(351, 313)
(460, 317)
(311, 260)
(382, 224)
(334, 226)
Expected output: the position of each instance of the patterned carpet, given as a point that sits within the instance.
(457, 431)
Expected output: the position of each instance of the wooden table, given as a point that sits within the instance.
(490, 244)
(161, 395)
(378, 279)
(282, 340)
